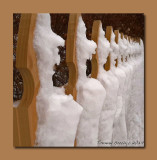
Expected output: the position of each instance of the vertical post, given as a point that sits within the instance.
(133, 39)
(25, 116)
(71, 58)
(129, 38)
(121, 38)
(116, 32)
(95, 61)
(16, 134)
(138, 39)
(126, 37)
(108, 37)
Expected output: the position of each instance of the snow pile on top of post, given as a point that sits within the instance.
(114, 50)
(103, 49)
(85, 48)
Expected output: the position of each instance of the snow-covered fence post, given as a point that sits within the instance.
(129, 38)
(95, 36)
(121, 34)
(71, 59)
(108, 37)
(25, 116)
(116, 32)
(139, 40)
(16, 135)
(126, 37)
(88, 128)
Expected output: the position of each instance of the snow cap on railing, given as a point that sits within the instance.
(128, 46)
(45, 45)
(131, 47)
(114, 49)
(84, 50)
(122, 45)
(103, 48)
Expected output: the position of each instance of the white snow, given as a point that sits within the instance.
(58, 114)
(135, 113)
(109, 112)
(119, 127)
(111, 84)
(133, 97)
(16, 103)
(122, 117)
(90, 92)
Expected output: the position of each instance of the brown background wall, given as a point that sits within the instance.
(57, 6)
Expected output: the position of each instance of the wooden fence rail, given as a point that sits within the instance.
(71, 59)
(25, 116)
(95, 61)
(108, 37)
(116, 32)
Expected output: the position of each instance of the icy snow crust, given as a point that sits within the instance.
(58, 114)
(90, 92)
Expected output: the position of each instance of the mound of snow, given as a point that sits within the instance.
(111, 84)
(90, 92)
(58, 114)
